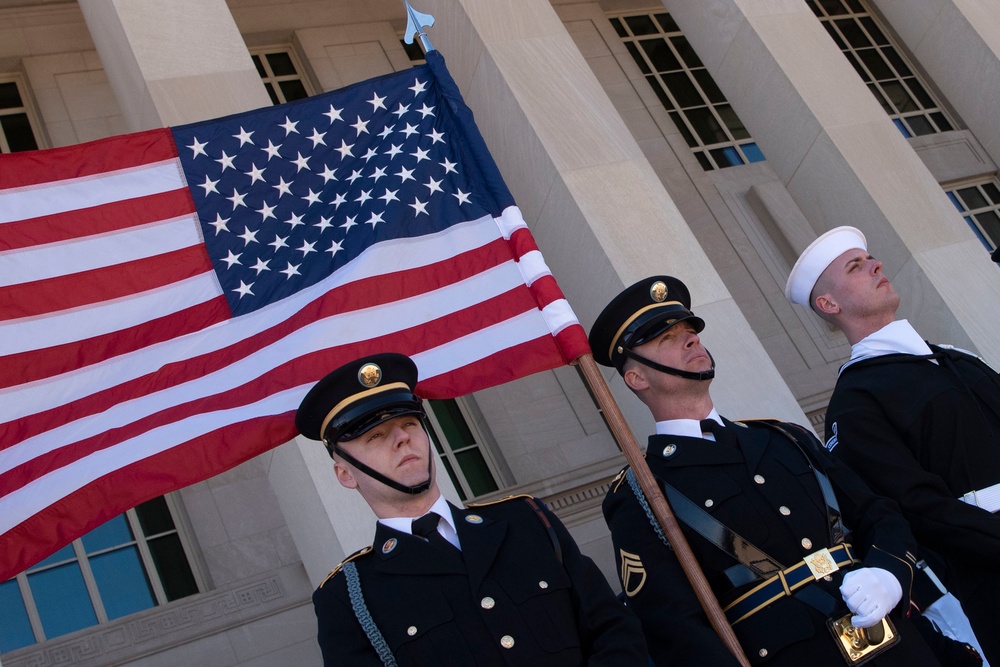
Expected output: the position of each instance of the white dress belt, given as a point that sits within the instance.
(988, 498)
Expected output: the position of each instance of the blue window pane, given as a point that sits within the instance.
(753, 152)
(122, 582)
(15, 628)
(732, 155)
(62, 600)
(726, 157)
(902, 128)
(111, 534)
(64, 554)
(954, 200)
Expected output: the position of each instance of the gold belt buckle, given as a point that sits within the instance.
(859, 645)
(821, 563)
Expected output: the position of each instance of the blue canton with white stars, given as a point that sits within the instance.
(287, 195)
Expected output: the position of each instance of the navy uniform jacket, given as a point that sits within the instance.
(435, 606)
(762, 487)
(914, 431)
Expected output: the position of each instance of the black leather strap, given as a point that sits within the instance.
(720, 534)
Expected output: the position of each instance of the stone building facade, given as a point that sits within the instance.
(708, 139)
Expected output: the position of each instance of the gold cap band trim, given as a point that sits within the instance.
(635, 315)
(351, 399)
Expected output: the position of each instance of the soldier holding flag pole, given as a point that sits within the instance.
(810, 565)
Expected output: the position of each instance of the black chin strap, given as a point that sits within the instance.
(689, 375)
(391, 483)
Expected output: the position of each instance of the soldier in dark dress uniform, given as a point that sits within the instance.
(498, 584)
(789, 539)
(920, 422)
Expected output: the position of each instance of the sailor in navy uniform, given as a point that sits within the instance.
(497, 584)
(789, 539)
(920, 422)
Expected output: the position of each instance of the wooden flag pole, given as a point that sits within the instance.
(661, 509)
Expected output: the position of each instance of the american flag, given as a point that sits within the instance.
(168, 297)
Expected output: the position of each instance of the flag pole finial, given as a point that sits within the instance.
(415, 24)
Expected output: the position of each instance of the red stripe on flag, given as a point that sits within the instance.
(40, 364)
(304, 369)
(96, 219)
(110, 282)
(102, 500)
(545, 290)
(506, 365)
(572, 341)
(522, 242)
(89, 159)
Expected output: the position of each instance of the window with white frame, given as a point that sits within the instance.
(879, 63)
(16, 131)
(685, 88)
(281, 73)
(133, 562)
(461, 447)
(979, 204)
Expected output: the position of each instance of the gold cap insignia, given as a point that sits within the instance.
(633, 573)
(370, 375)
(658, 291)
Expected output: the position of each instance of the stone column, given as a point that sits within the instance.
(957, 42)
(600, 215)
(844, 162)
(171, 63)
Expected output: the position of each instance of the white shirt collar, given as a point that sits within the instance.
(404, 524)
(685, 427)
(898, 336)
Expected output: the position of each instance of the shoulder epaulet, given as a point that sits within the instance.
(357, 554)
(773, 423)
(500, 500)
(617, 481)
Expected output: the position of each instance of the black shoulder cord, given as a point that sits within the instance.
(548, 527)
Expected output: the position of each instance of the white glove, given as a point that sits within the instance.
(870, 593)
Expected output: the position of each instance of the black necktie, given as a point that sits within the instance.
(426, 527)
(716, 429)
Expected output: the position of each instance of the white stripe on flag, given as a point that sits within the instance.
(38, 333)
(479, 345)
(510, 221)
(532, 266)
(33, 201)
(558, 315)
(94, 252)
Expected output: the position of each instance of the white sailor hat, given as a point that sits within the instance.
(814, 260)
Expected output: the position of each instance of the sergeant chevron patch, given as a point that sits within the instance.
(633, 573)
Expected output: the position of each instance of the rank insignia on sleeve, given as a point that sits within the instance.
(633, 573)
